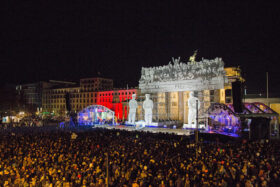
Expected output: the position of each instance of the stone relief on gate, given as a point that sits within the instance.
(177, 70)
(179, 76)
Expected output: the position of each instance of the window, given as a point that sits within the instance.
(228, 92)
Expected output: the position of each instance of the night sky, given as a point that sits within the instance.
(61, 40)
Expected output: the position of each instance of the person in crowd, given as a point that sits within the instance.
(50, 157)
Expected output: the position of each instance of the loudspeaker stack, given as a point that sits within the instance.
(237, 96)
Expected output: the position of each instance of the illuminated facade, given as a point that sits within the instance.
(171, 84)
(99, 91)
(116, 100)
(91, 91)
(53, 99)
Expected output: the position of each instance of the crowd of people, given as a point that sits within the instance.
(57, 157)
(29, 121)
(33, 121)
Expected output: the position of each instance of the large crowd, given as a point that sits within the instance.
(56, 157)
(32, 121)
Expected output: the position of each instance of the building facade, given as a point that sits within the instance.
(117, 100)
(170, 86)
(80, 96)
(168, 105)
(32, 94)
(95, 84)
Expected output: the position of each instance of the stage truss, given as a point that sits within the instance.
(96, 114)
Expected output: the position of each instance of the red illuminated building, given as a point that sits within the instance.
(116, 100)
(91, 91)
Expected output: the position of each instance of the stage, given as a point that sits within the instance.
(184, 132)
(179, 131)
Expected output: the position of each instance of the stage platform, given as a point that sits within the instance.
(179, 131)
(185, 132)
